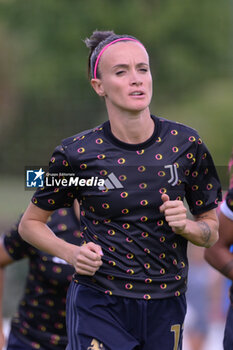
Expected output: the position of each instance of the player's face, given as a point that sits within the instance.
(126, 81)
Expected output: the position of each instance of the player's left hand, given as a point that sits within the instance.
(175, 213)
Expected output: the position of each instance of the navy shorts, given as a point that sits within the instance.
(228, 333)
(96, 321)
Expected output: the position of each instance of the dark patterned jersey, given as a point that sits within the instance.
(119, 190)
(40, 318)
(227, 209)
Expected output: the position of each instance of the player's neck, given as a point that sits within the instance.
(132, 128)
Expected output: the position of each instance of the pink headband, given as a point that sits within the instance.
(105, 48)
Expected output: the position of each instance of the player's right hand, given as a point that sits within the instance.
(87, 259)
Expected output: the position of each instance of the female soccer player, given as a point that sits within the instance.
(40, 319)
(220, 255)
(131, 273)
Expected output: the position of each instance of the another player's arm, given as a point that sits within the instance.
(33, 229)
(202, 231)
(219, 256)
(2, 339)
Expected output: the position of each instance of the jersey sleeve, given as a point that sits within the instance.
(53, 195)
(15, 246)
(203, 189)
(227, 205)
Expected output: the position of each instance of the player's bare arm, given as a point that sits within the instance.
(33, 229)
(202, 231)
(219, 256)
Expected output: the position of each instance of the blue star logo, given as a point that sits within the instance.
(35, 178)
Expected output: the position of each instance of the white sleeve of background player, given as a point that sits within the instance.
(226, 210)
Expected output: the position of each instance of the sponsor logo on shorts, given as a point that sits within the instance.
(95, 345)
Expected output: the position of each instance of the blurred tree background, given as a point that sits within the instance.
(45, 94)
